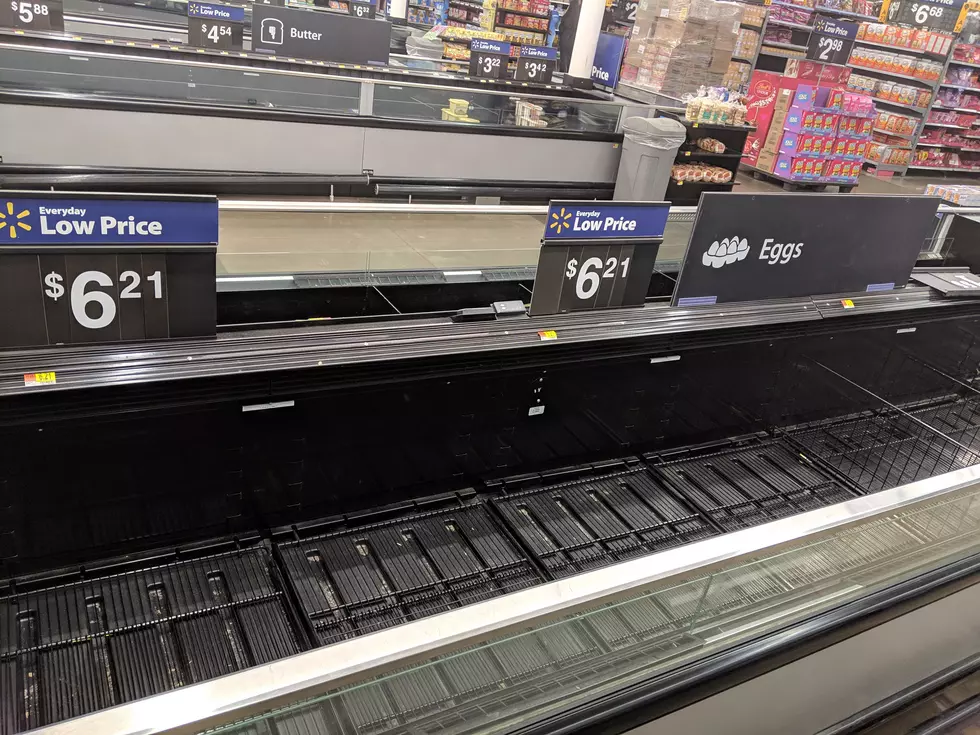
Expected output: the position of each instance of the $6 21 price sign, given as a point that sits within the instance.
(104, 308)
(589, 277)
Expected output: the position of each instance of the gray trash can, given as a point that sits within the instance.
(650, 145)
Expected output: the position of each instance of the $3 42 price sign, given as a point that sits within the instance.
(34, 15)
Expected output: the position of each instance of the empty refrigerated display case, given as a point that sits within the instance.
(419, 525)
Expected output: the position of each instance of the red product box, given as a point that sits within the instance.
(761, 100)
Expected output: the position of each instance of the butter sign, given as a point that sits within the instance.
(55, 221)
(595, 220)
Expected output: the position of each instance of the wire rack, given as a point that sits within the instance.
(883, 451)
(746, 486)
(599, 519)
(92, 643)
(363, 579)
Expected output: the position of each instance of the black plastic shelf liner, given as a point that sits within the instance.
(600, 519)
(879, 452)
(743, 487)
(93, 643)
(363, 579)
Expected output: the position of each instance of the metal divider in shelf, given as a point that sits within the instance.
(913, 108)
(468, 4)
(786, 46)
(521, 12)
(789, 24)
(844, 13)
(964, 63)
(750, 27)
(742, 60)
(967, 149)
(520, 28)
(945, 169)
(764, 51)
(900, 49)
(956, 109)
(945, 125)
(886, 166)
(896, 74)
(893, 134)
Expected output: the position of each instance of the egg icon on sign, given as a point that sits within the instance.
(729, 250)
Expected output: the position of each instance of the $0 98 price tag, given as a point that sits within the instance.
(92, 308)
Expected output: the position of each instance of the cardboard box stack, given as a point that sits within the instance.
(809, 127)
(678, 46)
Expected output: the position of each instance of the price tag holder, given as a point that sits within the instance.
(362, 9)
(536, 64)
(488, 59)
(77, 268)
(37, 15)
(931, 15)
(215, 26)
(831, 40)
(597, 255)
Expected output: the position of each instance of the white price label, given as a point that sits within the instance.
(92, 308)
(588, 277)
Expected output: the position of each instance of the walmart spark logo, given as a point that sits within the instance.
(9, 222)
(560, 221)
(193, 9)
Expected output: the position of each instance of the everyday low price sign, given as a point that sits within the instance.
(831, 41)
(536, 64)
(608, 59)
(99, 268)
(214, 26)
(751, 247)
(597, 255)
(488, 59)
(32, 15)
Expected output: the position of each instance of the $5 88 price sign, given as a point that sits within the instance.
(35, 15)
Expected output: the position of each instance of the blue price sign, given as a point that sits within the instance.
(608, 58)
(488, 59)
(597, 255)
(536, 64)
(100, 269)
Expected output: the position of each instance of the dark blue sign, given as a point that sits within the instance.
(216, 12)
(490, 47)
(82, 221)
(539, 52)
(602, 221)
(608, 58)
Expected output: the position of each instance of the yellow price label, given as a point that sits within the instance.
(48, 378)
(847, 303)
(548, 334)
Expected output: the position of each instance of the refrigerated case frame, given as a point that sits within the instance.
(254, 691)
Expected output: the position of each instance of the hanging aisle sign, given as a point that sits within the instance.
(831, 41)
(751, 247)
(215, 26)
(101, 268)
(313, 34)
(597, 255)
